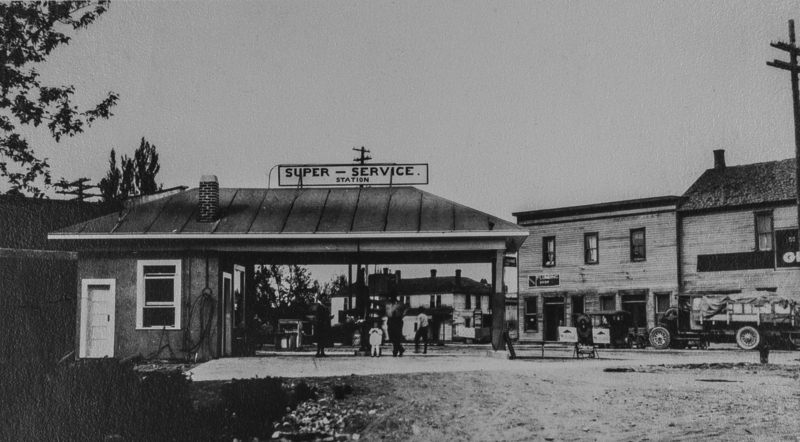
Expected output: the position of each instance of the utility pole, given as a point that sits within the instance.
(793, 51)
(79, 188)
(363, 159)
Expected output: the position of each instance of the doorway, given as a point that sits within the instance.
(227, 313)
(98, 300)
(578, 307)
(553, 317)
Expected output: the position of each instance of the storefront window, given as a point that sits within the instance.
(636, 306)
(662, 305)
(608, 303)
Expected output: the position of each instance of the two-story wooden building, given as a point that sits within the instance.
(733, 230)
(602, 257)
(738, 229)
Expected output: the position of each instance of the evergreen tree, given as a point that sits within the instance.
(135, 176)
(145, 161)
(109, 186)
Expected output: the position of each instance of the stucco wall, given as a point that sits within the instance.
(128, 341)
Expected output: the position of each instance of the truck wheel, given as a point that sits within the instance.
(659, 338)
(748, 338)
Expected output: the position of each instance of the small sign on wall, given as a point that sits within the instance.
(568, 334)
(548, 280)
(601, 335)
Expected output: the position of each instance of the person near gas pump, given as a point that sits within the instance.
(422, 332)
(394, 323)
(323, 324)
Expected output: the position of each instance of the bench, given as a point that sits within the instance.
(578, 352)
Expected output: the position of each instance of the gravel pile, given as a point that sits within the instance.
(325, 419)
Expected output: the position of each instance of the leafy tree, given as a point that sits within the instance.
(135, 176)
(29, 32)
(284, 292)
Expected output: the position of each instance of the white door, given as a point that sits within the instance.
(98, 298)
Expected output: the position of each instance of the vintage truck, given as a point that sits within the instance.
(751, 319)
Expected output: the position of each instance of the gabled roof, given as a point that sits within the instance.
(658, 202)
(291, 213)
(772, 181)
(441, 284)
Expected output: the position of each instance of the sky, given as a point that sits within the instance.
(515, 105)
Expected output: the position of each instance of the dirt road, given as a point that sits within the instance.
(586, 403)
(720, 395)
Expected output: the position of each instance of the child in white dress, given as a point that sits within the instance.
(375, 339)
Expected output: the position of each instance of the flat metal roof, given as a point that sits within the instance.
(334, 213)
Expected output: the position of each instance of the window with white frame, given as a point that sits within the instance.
(158, 287)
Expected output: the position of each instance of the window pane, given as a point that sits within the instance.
(548, 251)
(158, 317)
(764, 242)
(764, 231)
(764, 223)
(159, 290)
(530, 305)
(662, 303)
(591, 248)
(159, 270)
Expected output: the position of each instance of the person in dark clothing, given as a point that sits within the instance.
(394, 324)
(422, 332)
(323, 325)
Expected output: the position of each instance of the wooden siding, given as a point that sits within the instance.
(615, 269)
(612, 276)
(733, 232)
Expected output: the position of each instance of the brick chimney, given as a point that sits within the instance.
(208, 205)
(397, 276)
(433, 273)
(719, 159)
(458, 277)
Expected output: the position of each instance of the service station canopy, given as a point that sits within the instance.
(390, 225)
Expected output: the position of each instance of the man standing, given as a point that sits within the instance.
(323, 324)
(422, 332)
(394, 325)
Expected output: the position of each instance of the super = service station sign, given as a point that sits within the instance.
(330, 175)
